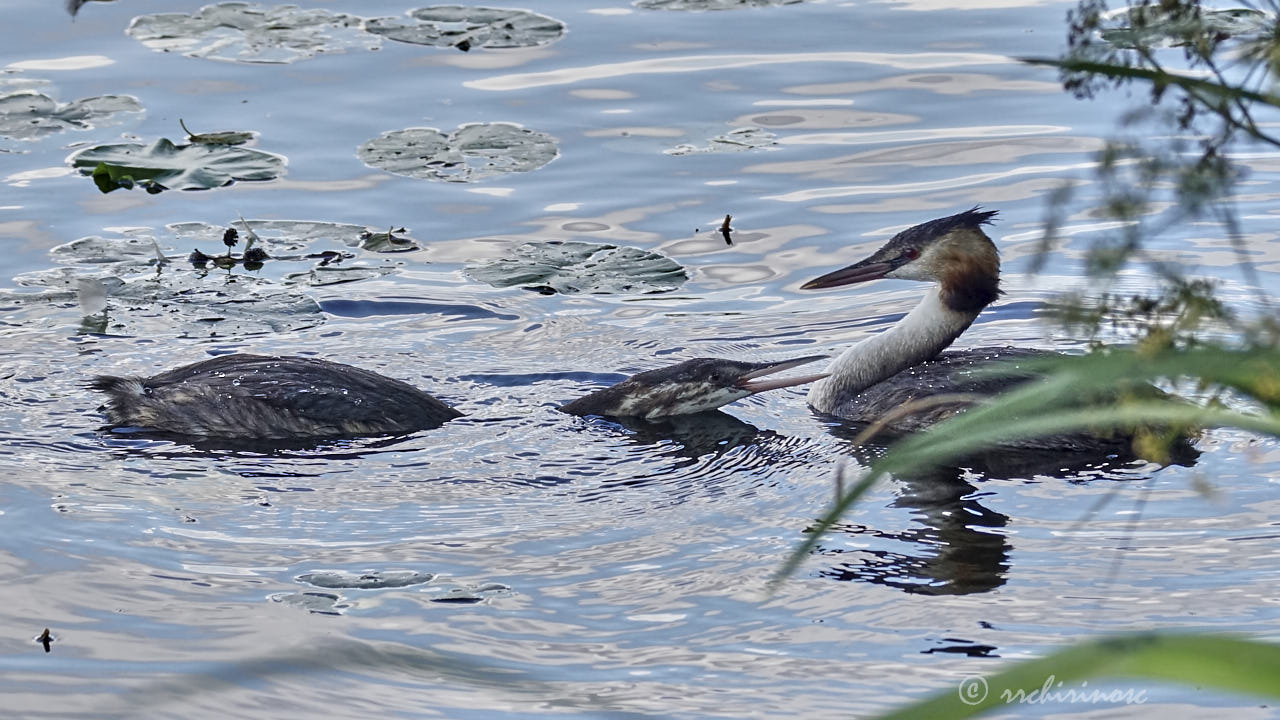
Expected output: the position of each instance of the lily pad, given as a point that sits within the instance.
(467, 28)
(738, 140)
(241, 32)
(167, 166)
(30, 115)
(387, 242)
(470, 153)
(569, 267)
(329, 275)
(470, 594)
(702, 5)
(135, 249)
(316, 603)
(370, 580)
(284, 236)
(147, 295)
(1150, 26)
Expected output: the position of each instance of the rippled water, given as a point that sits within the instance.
(572, 568)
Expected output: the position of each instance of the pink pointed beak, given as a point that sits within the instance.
(756, 382)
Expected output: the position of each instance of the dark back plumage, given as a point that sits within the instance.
(262, 397)
(655, 392)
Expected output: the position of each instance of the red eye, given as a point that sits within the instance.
(911, 253)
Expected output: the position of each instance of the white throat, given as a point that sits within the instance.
(925, 331)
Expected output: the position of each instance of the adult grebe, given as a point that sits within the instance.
(255, 397)
(902, 363)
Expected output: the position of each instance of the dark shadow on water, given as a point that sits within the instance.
(959, 545)
(693, 437)
(1011, 464)
(126, 442)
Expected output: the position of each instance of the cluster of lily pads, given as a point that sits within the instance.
(249, 33)
(333, 603)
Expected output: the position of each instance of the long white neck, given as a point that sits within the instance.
(925, 331)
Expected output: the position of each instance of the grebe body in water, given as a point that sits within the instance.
(876, 376)
(255, 397)
(689, 387)
(270, 398)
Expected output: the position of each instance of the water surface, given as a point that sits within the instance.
(584, 568)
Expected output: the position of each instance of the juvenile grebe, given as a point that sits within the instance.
(270, 398)
(689, 387)
(289, 398)
(902, 363)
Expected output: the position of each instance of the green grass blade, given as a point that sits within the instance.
(1212, 661)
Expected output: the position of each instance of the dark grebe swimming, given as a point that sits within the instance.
(270, 398)
(289, 398)
(905, 362)
(689, 387)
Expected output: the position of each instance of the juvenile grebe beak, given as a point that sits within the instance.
(752, 380)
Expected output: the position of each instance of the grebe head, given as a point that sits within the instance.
(952, 251)
(692, 386)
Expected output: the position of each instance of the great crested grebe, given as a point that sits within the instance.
(256, 397)
(905, 362)
(689, 387)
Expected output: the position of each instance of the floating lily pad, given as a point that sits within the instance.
(145, 299)
(470, 594)
(467, 28)
(328, 275)
(240, 32)
(30, 115)
(571, 267)
(167, 166)
(284, 236)
(194, 305)
(745, 138)
(701, 5)
(136, 249)
(1150, 26)
(313, 602)
(370, 580)
(386, 242)
(470, 153)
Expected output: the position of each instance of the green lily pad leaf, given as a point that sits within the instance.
(146, 294)
(316, 603)
(240, 32)
(30, 115)
(188, 303)
(467, 28)
(165, 166)
(1150, 26)
(136, 249)
(228, 137)
(569, 267)
(702, 5)
(336, 275)
(744, 138)
(387, 242)
(368, 580)
(280, 237)
(472, 152)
